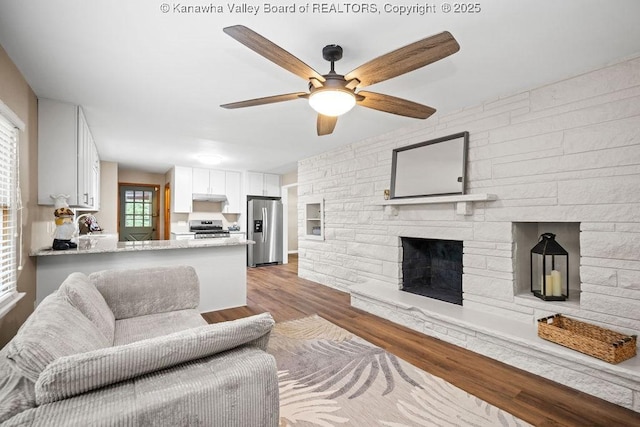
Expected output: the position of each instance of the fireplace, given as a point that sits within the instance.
(432, 268)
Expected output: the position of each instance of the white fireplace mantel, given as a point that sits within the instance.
(464, 202)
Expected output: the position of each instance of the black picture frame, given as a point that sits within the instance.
(437, 167)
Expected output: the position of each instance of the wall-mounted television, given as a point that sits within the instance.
(431, 168)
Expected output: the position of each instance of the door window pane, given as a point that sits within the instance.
(137, 211)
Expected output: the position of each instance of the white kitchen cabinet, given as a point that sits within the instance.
(95, 178)
(271, 185)
(68, 161)
(84, 160)
(181, 189)
(88, 166)
(232, 190)
(189, 181)
(217, 181)
(208, 181)
(263, 184)
(255, 184)
(200, 180)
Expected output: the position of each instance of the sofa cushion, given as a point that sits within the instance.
(17, 393)
(156, 325)
(79, 373)
(55, 329)
(83, 295)
(142, 291)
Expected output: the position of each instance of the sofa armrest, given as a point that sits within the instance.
(142, 291)
(72, 375)
(238, 387)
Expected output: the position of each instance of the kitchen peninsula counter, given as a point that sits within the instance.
(220, 264)
(147, 245)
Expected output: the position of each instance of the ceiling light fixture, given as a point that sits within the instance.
(210, 159)
(334, 96)
(332, 102)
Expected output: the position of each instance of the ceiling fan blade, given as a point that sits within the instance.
(405, 59)
(265, 100)
(272, 52)
(393, 105)
(326, 124)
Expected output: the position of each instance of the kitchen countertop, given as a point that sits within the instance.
(99, 245)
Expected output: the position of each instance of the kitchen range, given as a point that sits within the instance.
(207, 229)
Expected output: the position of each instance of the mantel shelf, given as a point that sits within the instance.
(464, 202)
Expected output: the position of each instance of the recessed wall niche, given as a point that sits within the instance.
(527, 234)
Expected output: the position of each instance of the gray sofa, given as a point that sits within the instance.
(128, 347)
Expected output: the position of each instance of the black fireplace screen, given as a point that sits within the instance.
(432, 268)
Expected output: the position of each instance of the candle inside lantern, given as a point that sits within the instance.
(557, 283)
(548, 289)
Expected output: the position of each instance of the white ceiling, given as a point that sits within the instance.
(151, 83)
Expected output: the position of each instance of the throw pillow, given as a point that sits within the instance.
(83, 295)
(79, 373)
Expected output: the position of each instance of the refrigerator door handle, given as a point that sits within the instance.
(264, 225)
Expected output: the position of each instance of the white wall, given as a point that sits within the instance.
(108, 215)
(292, 219)
(289, 182)
(565, 152)
(16, 94)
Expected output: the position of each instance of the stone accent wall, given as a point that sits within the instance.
(565, 152)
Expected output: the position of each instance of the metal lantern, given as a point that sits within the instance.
(549, 269)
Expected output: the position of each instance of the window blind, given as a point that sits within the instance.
(8, 210)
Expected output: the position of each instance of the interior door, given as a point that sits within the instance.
(167, 211)
(138, 212)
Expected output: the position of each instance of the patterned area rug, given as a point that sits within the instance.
(330, 377)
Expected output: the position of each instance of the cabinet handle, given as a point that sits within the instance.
(86, 198)
(92, 201)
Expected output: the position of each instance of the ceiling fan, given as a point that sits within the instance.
(334, 94)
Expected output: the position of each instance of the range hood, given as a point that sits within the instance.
(202, 197)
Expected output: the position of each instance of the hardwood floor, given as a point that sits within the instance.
(279, 290)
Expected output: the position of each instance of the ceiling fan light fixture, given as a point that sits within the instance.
(332, 102)
(333, 94)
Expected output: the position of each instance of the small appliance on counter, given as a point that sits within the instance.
(89, 225)
(207, 229)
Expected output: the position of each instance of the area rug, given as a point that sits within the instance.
(330, 377)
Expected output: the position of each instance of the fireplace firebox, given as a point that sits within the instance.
(432, 268)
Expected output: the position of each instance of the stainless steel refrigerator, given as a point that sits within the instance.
(264, 226)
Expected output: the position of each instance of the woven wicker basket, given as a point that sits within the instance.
(607, 345)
